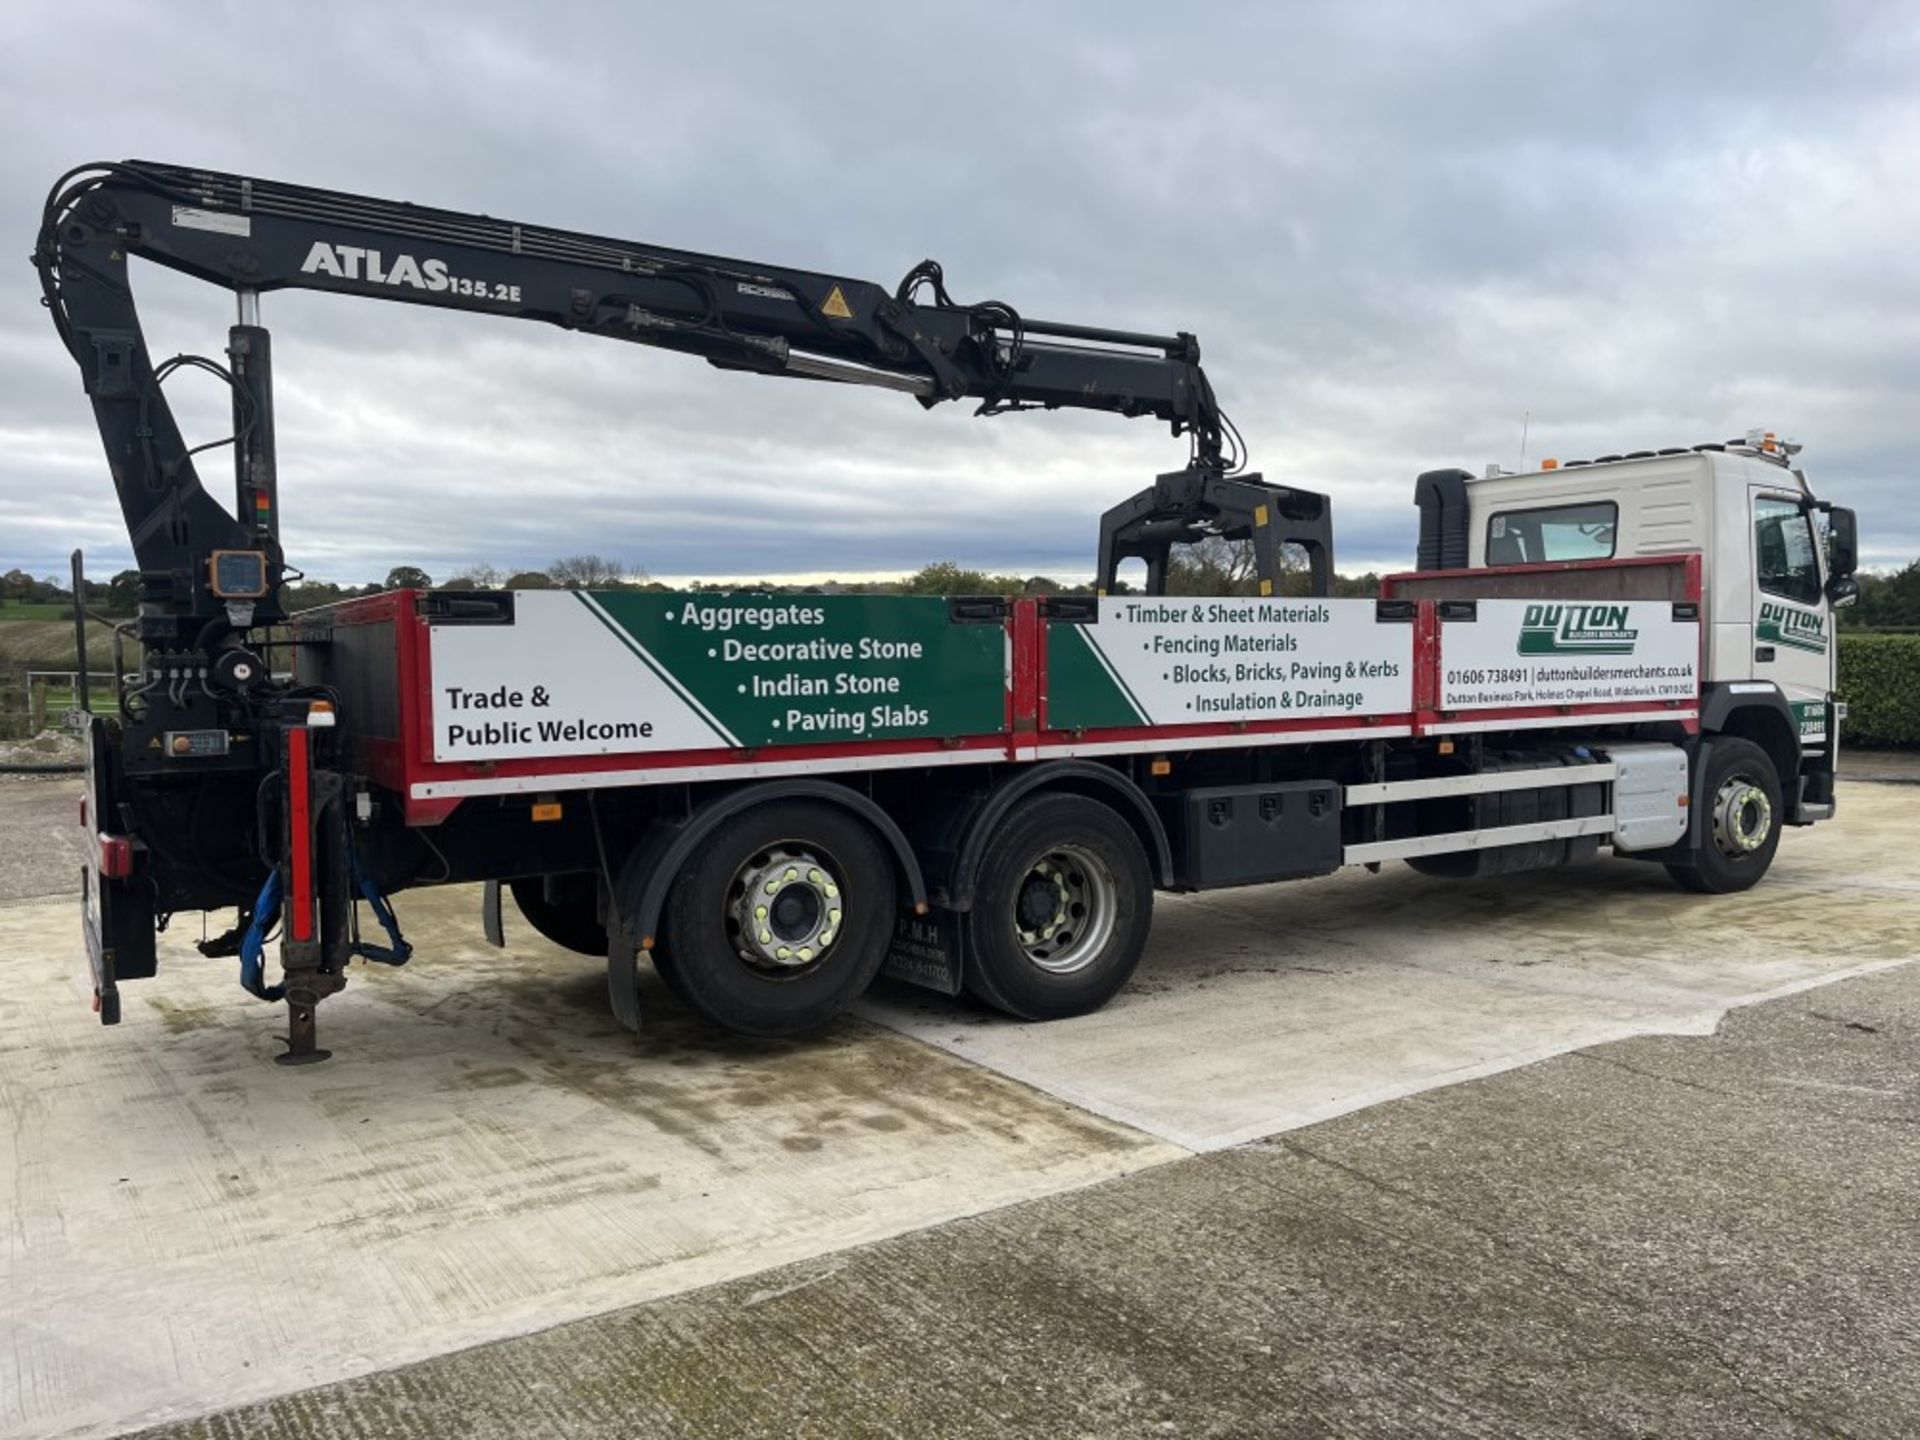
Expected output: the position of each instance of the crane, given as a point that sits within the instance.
(209, 730)
(254, 236)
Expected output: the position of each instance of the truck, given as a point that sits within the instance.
(771, 798)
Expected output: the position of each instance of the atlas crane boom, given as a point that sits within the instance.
(253, 236)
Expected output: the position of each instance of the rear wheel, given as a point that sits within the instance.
(565, 909)
(1061, 909)
(781, 920)
(1741, 828)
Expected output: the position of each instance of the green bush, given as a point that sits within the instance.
(1880, 681)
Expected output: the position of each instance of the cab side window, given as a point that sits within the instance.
(1553, 533)
(1783, 551)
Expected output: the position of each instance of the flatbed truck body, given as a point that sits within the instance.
(1230, 731)
(1470, 720)
(769, 798)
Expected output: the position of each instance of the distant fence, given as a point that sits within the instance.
(33, 700)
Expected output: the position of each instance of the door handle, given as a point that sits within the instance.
(1763, 652)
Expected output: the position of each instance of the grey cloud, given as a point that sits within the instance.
(1396, 228)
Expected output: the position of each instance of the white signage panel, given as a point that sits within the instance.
(1185, 661)
(1518, 653)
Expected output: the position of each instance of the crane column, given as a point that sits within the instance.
(257, 484)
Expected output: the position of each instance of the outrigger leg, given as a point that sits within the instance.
(302, 1032)
(315, 875)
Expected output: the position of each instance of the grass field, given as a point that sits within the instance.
(38, 610)
(48, 645)
(61, 701)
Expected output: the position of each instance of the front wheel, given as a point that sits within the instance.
(781, 920)
(1741, 828)
(1061, 909)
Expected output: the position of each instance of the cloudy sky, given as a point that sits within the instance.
(1396, 228)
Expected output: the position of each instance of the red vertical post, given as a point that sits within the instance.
(299, 836)
(1426, 664)
(1024, 696)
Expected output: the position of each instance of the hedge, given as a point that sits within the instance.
(1880, 681)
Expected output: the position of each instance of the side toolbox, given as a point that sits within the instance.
(1247, 834)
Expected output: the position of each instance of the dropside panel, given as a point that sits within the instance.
(1500, 655)
(1187, 666)
(610, 672)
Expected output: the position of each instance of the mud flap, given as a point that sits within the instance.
(623, 987)
(490, 922)
(623, 973)
(929, 950)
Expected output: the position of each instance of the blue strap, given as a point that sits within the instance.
(266, 911)
(396, 951)
(266, 914)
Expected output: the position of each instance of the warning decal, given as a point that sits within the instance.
(836, 305)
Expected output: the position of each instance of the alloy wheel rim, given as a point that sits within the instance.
(1742, 817)
(786, 909)
(1065, 909)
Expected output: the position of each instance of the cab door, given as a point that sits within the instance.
(1792, 627)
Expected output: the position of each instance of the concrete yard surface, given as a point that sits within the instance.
(1706, 1236)
(1262, 1009)
(488, 1155)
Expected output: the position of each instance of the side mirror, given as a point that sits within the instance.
(1843, 545)
(1842, 591)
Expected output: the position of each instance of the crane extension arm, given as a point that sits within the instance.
(256, 235)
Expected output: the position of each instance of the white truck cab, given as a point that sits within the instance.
(1775, 564)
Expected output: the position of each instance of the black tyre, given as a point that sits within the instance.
(1062, 907)
(1741, 826)
(565, 912)
(781, 920)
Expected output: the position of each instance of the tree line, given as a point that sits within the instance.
(1888, 600)
(1214, 567)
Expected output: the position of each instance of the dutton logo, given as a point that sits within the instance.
(1795, 629)
(1576, 630)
